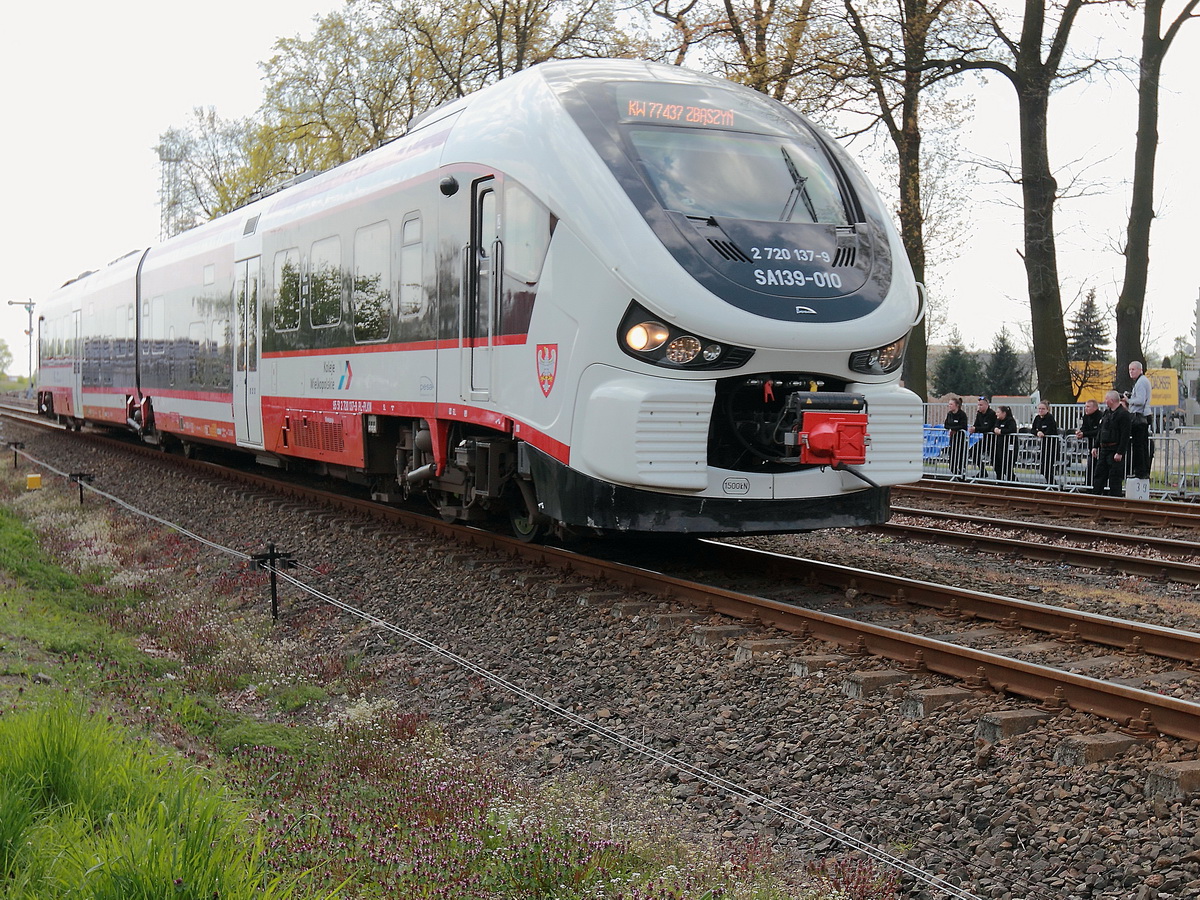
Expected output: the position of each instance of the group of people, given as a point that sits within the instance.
(1123, 432)
(1123, 427)
(997, 428)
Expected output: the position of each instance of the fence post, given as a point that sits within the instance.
(273, 561)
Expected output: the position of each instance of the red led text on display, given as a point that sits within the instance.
(653, 111)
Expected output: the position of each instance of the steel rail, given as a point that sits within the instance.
(1103, 560)
(1089, 506)
(1141, 711)
(1009, 612)
(1088, 535)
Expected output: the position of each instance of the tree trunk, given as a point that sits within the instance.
(1039, 191)
(1141, 204)
(912, 216)
(915, 23)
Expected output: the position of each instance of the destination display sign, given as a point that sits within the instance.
(645, 110)
(691, 106)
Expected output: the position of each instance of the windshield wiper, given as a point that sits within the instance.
(799, 191)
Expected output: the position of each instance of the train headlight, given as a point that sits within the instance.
(646, 336)
(880, 361)
(646, 339)
(683, 350)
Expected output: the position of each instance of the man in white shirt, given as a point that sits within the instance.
(1139, 410)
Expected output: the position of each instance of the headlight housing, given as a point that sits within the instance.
(644, 337)
(880, 361)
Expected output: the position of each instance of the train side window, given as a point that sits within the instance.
(196, 353)
(325, 282)
(287, 289)
(371, 297)
(158, 318)
(412, 278)
(220, 355)
(526, 234)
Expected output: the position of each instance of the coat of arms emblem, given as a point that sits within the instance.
(547, 366)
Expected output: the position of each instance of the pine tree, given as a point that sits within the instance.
(1087, 338)
(1004, 374)
(957, 370)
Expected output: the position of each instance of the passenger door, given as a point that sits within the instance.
(247, 323)
(481, 292)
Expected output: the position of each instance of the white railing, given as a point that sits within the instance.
(1056, 463)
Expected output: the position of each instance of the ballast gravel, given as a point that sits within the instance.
(1018, 817)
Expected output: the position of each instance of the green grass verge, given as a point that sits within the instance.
(87, 812)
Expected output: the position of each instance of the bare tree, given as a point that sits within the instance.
(1130, 304)
(897, 41)
(780, 48)
(214, 157)
(764, 43)
(1035, 62)
(691, 21)
(464, 47)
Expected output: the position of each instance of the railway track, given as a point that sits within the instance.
(1143, 712)
(1130, 554)
(1049, 685)
(968, 496)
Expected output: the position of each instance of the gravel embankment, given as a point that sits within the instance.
(1005, 820)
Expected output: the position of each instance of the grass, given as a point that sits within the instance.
(87, 812)
(177, 743)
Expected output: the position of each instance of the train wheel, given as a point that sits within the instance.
(527, 523)
(448, 507)
(525, 527)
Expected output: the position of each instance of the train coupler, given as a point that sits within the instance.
(831, 438)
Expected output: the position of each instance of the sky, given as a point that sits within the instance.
(88, 88)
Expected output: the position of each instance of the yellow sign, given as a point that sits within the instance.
(1097, 378)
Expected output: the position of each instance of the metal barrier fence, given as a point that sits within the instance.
(1067, 415)
(1061, 462)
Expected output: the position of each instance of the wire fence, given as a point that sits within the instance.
(1059, 462)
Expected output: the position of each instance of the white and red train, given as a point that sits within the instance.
(601, 295)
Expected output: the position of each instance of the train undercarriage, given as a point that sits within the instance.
(761, 425)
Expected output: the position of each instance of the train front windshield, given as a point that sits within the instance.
(728, 174)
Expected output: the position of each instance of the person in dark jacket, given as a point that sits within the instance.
(1112, 446)
(985, 425)
(956, 425)
(1046, 430)
(1089, 426)
(1006, 444)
